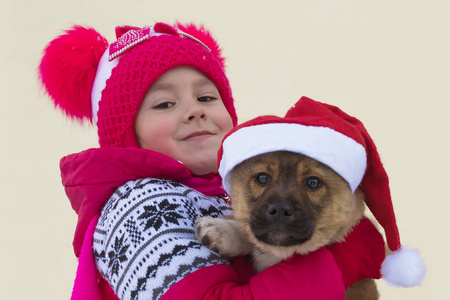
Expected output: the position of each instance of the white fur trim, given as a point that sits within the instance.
(341, 153)
(404, 268)
(104, 70)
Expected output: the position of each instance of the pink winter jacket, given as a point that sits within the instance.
(91, 177)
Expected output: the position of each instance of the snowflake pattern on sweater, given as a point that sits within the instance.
(145, 241)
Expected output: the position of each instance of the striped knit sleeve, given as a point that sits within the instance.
(145, 241)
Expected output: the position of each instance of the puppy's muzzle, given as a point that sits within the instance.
(279, 224)
(280, 212)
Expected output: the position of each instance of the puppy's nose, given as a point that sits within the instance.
(279, 211)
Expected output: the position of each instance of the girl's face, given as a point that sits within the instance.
(183, 116)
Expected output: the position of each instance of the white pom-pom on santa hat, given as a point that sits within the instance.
(332, 137)
(404, 267)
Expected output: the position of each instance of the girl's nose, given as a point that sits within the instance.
(195, 111)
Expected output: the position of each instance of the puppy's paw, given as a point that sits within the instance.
(222, 236)
(209, 233)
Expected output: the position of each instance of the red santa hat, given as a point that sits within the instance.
(332, 137)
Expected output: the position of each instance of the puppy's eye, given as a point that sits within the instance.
(263, 178)
(313, 183)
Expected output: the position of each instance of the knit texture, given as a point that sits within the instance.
(138, 68)
(145, 239)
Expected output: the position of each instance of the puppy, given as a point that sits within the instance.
(285, 203)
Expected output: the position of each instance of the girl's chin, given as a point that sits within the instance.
(204, 170)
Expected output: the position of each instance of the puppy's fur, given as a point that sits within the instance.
(285, 203)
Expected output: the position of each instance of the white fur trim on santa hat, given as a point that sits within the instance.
(404, 268)
(341, 153)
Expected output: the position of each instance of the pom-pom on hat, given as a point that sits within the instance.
(68, 67)
(332, 137)
(105, 84)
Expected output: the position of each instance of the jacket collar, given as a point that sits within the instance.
(91, 177)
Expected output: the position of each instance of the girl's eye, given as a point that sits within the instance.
(314, 183)
(163, 105)
(206, 98)
(263, 178)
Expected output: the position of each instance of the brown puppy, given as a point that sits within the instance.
(285, 203)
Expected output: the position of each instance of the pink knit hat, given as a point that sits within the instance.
(332, 137)
(104, 84)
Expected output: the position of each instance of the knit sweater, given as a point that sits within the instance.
(145, 240)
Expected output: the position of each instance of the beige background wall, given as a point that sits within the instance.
(386, 62)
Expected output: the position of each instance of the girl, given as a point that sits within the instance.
(162, 104)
